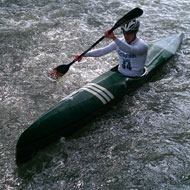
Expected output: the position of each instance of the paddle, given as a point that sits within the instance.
(62, 69)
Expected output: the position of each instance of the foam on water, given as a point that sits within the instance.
(141, 143)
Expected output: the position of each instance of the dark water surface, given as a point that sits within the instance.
(143, 143)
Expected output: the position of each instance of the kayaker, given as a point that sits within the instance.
(131, 50)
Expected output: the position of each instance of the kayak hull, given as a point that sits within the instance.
(74, 110)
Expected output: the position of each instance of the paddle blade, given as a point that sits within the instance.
(58, 72)
(135, 13)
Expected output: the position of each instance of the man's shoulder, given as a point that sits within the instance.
(142, 43)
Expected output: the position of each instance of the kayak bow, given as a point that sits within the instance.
(65, 118)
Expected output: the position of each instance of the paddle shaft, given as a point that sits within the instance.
(97, 42)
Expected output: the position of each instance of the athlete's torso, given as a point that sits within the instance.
(132, 56)
(132, 61)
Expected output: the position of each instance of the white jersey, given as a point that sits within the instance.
(132, 56)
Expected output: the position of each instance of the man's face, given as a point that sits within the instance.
(129, 37)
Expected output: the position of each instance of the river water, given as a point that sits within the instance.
(142, 143)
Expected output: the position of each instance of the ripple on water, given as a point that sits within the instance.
(141, 143)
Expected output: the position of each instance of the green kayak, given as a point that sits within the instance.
(74, 110)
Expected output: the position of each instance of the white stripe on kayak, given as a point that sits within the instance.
(95, 94)
(100, 92)
(103, 89)
(103, 94)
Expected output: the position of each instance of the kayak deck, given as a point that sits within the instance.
(74, 110)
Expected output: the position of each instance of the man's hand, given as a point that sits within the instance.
(76, 58)
(110, 36)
